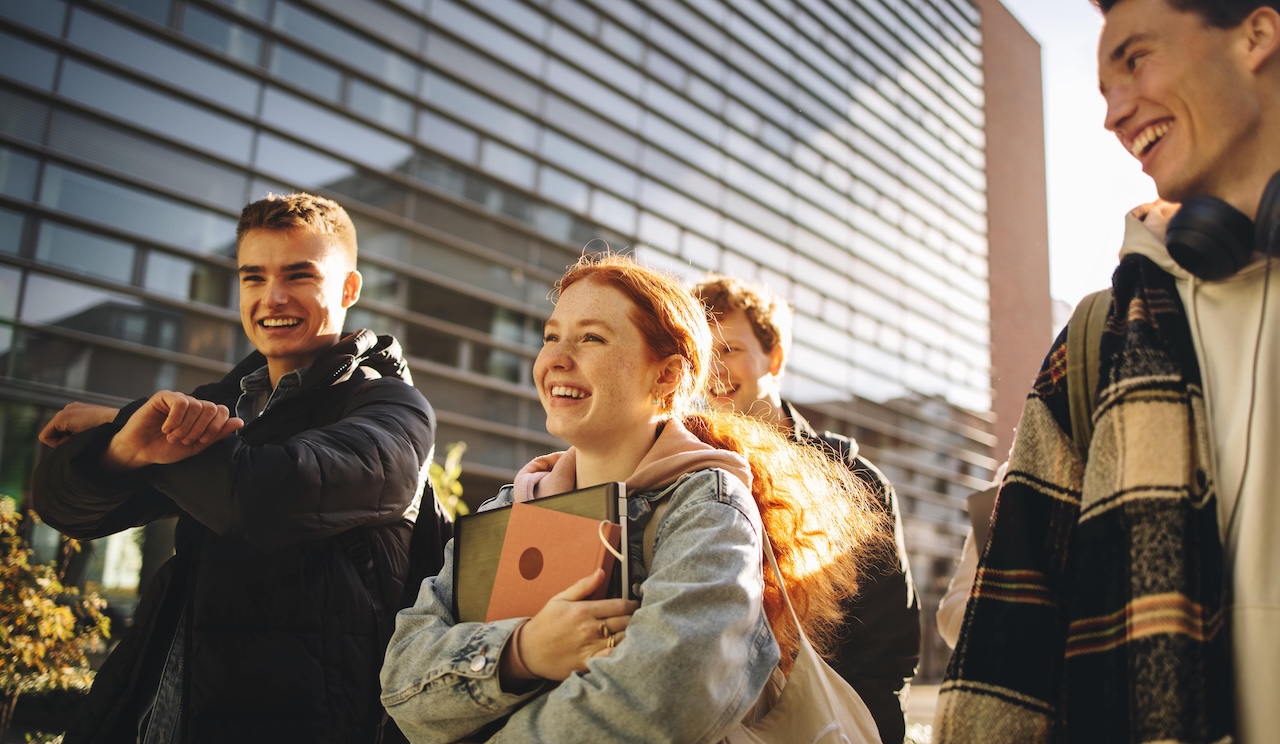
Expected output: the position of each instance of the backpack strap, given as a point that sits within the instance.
(1084, 337)
(651, 530)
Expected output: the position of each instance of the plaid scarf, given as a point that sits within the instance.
(1097, 614)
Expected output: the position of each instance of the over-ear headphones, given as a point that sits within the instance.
(1213, 240)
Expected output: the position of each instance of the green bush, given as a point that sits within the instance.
(46, 628)
(444, 479)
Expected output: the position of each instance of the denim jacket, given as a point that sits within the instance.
(695, 657)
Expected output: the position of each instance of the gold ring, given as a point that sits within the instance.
(604, 630)
(611, 641)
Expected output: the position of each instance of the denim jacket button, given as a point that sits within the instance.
(477, 664)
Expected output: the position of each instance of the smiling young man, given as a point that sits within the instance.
(879, 645)
(1134, 599)
(297, 480)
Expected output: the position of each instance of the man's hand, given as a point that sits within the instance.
(168, 428)
(73, 419)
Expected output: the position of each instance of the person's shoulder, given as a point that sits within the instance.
(383, 388)
(711, 485)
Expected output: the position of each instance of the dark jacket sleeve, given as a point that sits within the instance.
(74, 494)
(365, 468)
(880, 646)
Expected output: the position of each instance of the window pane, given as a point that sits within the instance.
(381, 106)
(22, 117)
(589, 164)
(447, 136)
(9, 279)
(163, 61)
(373, 190)
(10, 232)
(147, 158)
(563, 189)
(219, 33)
(17, 173)
(501, 364)
(338, 133)
(303, 25)
(74, 365)
(484, 72)
(26, 62)
(187, 279)
(45, 15)
(144, 214)
(306, 71)
(488, 36)
(155, 10)
(85, 252)
(148, 108)
(380, 21)
(69, 304)
(74, 306)
(260, 9)
(480, 111)
(508, 164)
(300, 165)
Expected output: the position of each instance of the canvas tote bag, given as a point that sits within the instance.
(816, 705)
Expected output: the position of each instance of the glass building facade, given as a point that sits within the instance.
(831, 150)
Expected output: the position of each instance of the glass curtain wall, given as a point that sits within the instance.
(832, 150)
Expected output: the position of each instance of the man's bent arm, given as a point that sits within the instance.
(73, 493)
(366, 468)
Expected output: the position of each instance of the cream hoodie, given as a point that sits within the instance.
(1244, 421)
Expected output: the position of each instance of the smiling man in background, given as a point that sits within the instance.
(879, 645)
(297, 480)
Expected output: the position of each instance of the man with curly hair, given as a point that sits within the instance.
(880, 643)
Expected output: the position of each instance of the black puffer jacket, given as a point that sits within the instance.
(879, 645)
(292, 549)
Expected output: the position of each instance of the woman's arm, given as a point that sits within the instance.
(694, 658)
(440, 678)
(698, 651)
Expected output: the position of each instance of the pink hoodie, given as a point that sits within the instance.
(675, 452)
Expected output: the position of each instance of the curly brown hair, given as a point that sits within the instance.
(769, 314)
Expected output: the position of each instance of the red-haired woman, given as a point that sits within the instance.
(621, 370)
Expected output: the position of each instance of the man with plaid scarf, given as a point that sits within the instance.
(1125, 594)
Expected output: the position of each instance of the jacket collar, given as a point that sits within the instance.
(804, 433)
(362, 351)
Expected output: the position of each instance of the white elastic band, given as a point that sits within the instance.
(605, 540)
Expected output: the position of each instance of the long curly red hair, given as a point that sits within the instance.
(823, 523)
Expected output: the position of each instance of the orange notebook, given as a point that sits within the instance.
(478, 540)
(545, 552)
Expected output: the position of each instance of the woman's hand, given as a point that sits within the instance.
(566, 632)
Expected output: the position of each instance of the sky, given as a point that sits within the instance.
(1092, 181)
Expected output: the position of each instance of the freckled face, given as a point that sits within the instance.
(595, 373)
